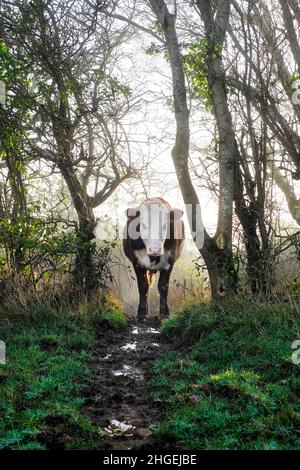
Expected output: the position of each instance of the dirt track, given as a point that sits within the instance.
(117, 395)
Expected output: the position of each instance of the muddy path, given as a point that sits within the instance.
(117, 399)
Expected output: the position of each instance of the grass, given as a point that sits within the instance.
(109, 316)
(42, 382)
(230, 382)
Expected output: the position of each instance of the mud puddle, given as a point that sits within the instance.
(117, 399)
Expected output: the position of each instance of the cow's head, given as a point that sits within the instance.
(153, 219)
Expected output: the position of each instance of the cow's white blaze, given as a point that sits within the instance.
(154, 222)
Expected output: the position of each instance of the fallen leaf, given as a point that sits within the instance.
(193, 399)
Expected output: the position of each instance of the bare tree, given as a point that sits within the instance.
(76, 103)
(268, 50)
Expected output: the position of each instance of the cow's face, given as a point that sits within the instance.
(154, 224)
(154, 219)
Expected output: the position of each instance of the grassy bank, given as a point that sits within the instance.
(230, 382)
(42, 382)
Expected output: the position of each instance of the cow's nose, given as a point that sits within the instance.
(155, 251)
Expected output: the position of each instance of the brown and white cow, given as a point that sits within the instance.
(153, 241)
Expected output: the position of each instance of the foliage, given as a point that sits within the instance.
(195, 66)
(153, 49)
(235, 387)
(16, 112)
(46, 247)
(295, 288)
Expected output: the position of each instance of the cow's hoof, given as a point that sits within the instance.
(141, 316)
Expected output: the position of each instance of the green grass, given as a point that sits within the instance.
(230, 382)
(110, 316)
(41, 384)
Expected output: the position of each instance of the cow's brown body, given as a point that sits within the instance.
(144, 263)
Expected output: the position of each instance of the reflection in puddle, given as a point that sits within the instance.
(119, 427)
(128, 346)
(106, 357)
(128, 371)
(155, 344)
(135, 330)
(152, 330)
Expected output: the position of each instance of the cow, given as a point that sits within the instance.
(153, 241)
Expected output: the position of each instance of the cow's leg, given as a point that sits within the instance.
(143, 285)
(163, 288)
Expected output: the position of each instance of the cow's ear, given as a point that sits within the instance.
(132, 212)
(176, 213)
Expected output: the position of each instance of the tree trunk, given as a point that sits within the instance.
(248, 213)
(19, 208)
(85, 271)
(288, 190)
(221, 271)
(216, 251)
(215, 30)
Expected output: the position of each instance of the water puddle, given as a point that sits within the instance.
(155, 344)
(106, 357)
(135, 330)
(128, 371)
(129, 346)
(117, 427)
(153, 331)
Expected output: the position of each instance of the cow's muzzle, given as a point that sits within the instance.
(154, 251)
